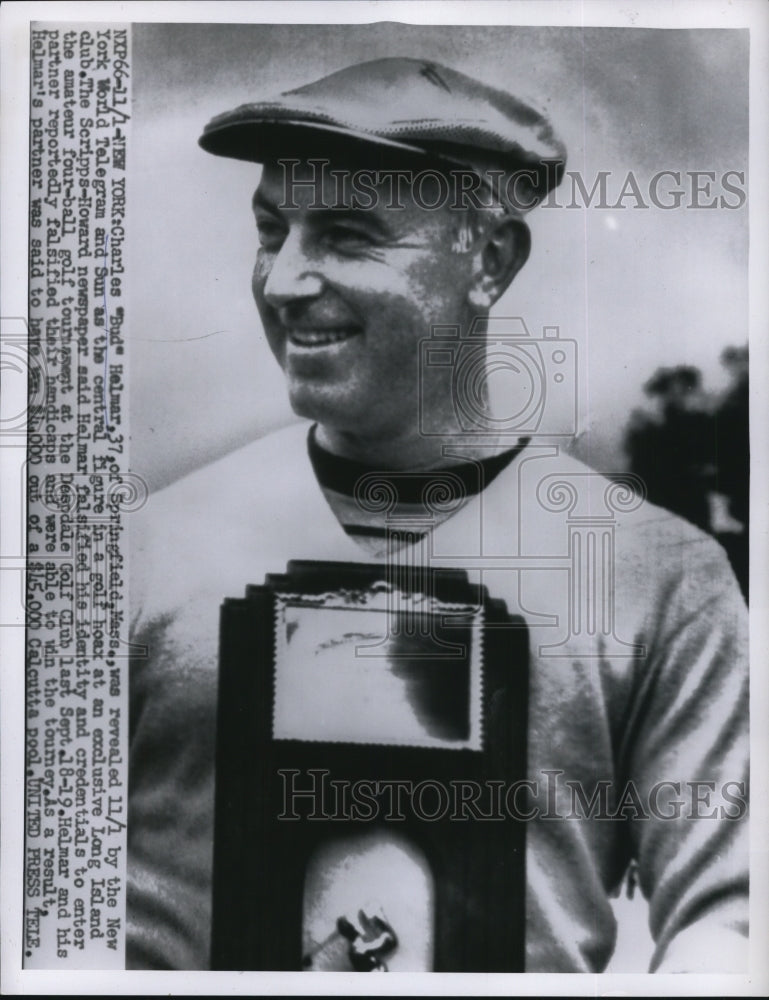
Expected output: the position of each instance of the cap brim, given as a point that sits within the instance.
(260, 139)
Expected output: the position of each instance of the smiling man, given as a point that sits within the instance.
(390, 217)
(348, 295)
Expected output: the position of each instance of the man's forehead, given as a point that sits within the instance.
(317, 183)
(296, 175)
(304, 183)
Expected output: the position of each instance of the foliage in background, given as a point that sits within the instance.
(692, 451)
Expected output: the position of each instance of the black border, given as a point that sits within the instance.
(259, 860)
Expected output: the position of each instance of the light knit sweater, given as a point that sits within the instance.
(676, 711)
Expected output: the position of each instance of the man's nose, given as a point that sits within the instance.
(292, 274)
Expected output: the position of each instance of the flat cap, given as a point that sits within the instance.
(411, 106)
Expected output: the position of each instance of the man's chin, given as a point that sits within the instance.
(328, 409)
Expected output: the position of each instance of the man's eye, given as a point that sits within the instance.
(349, 235)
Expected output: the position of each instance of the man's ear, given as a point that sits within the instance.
(499, 257)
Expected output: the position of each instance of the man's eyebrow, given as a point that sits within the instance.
(356, 214)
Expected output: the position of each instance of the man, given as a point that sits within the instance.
(408, 234)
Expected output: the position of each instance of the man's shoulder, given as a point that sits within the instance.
(261, 463)
(558, 488)
(199, 531)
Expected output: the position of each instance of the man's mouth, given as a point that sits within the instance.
(321, 337)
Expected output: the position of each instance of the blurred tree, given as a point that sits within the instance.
(693, 448)
(732, 428)
(673, 449)
(731, 420)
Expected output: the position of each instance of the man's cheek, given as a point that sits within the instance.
(371, 279)
(436, 279)
(277, 344)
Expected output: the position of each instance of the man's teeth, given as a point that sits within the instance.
(319, 338)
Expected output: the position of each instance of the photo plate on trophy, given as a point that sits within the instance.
(378, 666)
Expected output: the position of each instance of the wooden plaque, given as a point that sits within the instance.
(350, 707)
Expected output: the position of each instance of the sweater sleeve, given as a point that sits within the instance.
(686, 751)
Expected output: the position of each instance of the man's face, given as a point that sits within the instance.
(346, 295)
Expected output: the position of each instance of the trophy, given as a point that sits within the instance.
(369, 730)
